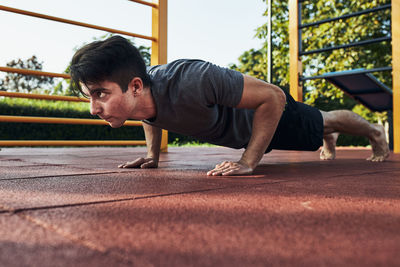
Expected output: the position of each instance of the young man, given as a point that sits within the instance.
(213, 104)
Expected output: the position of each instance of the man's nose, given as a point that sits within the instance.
(95, 108)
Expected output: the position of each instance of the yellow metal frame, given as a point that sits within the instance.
(74, 143)
(159, 47)
(396, 73)
(43, 97)
(158, 56)
(296, 89)
(35, 72)
(72, 22)
(295, 66)
(51, 120)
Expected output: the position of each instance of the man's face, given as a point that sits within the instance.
(111, 104)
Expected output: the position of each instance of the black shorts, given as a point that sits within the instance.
(301, 127)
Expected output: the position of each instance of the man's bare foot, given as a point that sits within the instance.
(380, 148)
(328, 151)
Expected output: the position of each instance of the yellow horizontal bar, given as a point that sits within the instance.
(35, 72)
(44, 97)
(29, 119)
(145, 3)
(73, 143)
(77, 23)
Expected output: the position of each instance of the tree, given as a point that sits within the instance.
(15, 82)
(320, 93)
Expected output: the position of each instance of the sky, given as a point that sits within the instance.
(214, 30)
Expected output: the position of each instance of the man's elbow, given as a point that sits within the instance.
(279, 97)
(282, 99)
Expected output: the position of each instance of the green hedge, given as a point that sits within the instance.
(35, 131)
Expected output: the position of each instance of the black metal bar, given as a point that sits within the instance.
(365, 42)
(334, 74)
(299, 36)
(355, 14)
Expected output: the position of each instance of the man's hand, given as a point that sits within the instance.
(268, 102)
(143, 163)
(230, 168)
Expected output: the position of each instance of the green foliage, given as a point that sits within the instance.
(254, 63)
(42, 108)
(32, 107)
(320, 93)
(188, 143)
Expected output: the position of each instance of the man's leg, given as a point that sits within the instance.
(348, 122)
(329, 147)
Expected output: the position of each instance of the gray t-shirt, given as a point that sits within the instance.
(197, 99)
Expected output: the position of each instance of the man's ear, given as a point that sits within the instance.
(136, 85)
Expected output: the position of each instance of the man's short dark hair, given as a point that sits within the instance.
(114, 59)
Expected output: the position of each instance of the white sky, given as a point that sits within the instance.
(215, 30)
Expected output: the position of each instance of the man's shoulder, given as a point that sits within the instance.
(176, 64)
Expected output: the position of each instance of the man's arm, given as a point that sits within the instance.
(268, 102)
(153, 143)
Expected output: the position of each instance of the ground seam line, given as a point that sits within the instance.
(62, 175)
(359, 174)
(15, 211)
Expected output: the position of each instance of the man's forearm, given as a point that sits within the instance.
(265, 121)
(268, 102)
(153, 141)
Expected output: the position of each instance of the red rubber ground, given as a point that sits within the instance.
(73, 207)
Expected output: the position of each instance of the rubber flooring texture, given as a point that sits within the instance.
(74, 207)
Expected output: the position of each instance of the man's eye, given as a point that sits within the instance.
(100, 94)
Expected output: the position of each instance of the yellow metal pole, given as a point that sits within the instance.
(73, 143)
(144, 3)
(35, 72)
(44, 97)
(30, 119)
(159, 33)
(396, 73)
(159, 46)
(296, 89)
(72, 22)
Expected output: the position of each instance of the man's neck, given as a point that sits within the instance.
(149, 105)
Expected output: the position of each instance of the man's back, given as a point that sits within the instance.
(197, 98)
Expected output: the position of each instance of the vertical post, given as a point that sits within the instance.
(396, 73)
(269, 72)
(159, 46)
(295, 67)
